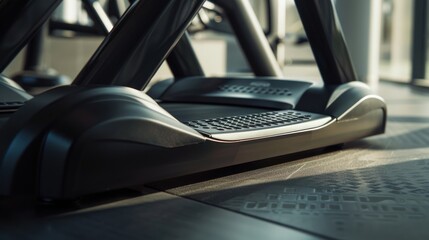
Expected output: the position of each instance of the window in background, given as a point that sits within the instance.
(215, 43)
(395, 60)
(300, 63)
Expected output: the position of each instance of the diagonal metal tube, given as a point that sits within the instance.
(19, 21)
(139, 43)
(251, 37)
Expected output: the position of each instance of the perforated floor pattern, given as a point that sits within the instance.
(378, 201)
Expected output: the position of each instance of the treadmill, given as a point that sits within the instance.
(105, 133)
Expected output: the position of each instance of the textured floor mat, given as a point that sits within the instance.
(373, 189)
(381, 198)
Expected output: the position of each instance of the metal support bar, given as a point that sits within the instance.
(33, 53)
(327, 40)
(140, 42)
(19, 21)
(251, 37)
(419, 46)
(117, 8)
(98, 15)
(183, 61)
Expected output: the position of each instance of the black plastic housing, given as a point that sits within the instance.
(357, 112)
(73, 141)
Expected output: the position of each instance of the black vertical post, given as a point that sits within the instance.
(33, 53)
(183, 61)
(251, 37)
(327, 40)
(419, 47)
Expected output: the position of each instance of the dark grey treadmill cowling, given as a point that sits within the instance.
(128, 163)
(19, 21)
(134, 139)
(138, 152)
